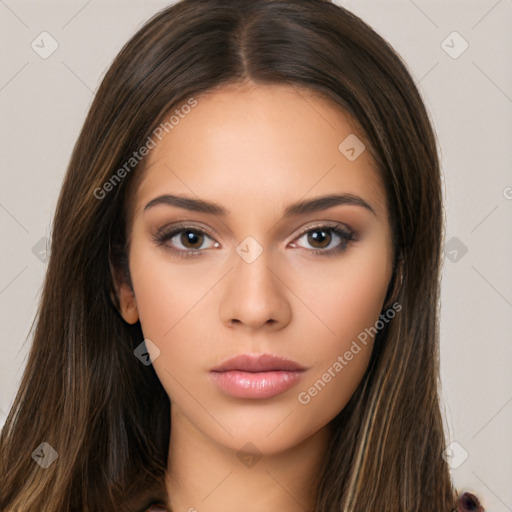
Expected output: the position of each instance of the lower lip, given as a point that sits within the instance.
(255, 385)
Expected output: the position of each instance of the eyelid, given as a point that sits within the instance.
(166, 230)
(170, 230)
(326, 224)
(329, 224)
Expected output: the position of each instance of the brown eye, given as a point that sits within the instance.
(185, 241)
(319, 238)
(191, 239)
(327, 240)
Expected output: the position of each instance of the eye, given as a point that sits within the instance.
(189, 241)
(184, 240)
(327, 239)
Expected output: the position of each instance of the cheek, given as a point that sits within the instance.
(167, 295)
(169, 307)
(341, 358)
(348, 306)
(174, 302)
(346, 296)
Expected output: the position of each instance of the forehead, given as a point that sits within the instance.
(261, 146)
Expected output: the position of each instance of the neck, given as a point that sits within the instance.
(205, 476)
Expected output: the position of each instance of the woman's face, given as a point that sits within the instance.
(258, 275)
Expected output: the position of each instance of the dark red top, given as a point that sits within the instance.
(467, 503)
(157, 507)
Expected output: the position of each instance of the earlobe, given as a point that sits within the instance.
(128, 305)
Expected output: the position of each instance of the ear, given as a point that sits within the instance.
(127, 304)
(121, 294)
(395, 283)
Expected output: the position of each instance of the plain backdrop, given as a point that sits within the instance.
(458, 52)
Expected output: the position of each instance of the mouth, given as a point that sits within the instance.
(256, 376)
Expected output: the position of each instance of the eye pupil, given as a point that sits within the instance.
(190, 236)
(314, 239)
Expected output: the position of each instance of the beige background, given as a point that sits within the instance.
(44, 102)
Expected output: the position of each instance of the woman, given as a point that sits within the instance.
(201, 351)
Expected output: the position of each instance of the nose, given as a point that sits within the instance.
(254, 295)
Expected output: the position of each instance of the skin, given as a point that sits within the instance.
(255, 150)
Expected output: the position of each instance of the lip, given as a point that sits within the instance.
(258, 363)
(256, 376)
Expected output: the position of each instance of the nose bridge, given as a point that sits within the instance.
(253, 294)
(253, 268)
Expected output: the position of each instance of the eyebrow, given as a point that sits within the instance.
(300, 208)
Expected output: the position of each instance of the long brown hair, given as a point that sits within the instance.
(84, 392)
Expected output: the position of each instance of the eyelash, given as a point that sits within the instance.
(346, 235)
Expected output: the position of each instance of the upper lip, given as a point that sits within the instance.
(258, 363)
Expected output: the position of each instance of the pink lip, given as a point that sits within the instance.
(258, 363)
(256, 376)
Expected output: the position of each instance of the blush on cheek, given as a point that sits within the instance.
(165, 294)
(352, 306)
